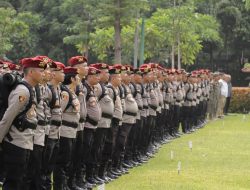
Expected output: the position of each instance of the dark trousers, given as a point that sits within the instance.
(184, 118)
(61, 171)
(2, 174)
(88, 156)
(121, 140)
(15, 162)
(50, 154)
(228, 99)
(98, 144)
(143, 144)
(76, 164)
(176, 118)
(33, 177)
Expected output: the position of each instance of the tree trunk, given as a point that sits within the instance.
(136, 41)
(179, 52)
(172, 54)
(117, 27)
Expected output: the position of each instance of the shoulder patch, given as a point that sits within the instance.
(65, 95)
(22, 99)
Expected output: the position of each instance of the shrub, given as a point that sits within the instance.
(240, 101)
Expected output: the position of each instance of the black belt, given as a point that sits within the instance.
(153, 107)
(55, 123)
(69, 124)
(82, 120)
(140, 108)
(106, 115)
(22, 125)
(130, 113)
(91, 121)
(145, 107)
(42, 123)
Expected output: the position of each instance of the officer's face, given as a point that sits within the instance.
(117, 80)
(59, 76)
(47, 75)
(37, 74)
(82, 69)
(104, 76)
(94, 79)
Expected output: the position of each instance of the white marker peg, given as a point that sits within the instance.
(179, 167)
(190, 144)
(172, 155)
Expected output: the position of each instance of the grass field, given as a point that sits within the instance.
(220, 159)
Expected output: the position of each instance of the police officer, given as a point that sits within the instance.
(106, 171)
(33, 177)
(52, 133)
(129, 117)
(19, 122)
(70, 118)
(76, 170)
(93, 117)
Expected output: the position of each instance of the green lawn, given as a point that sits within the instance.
(220, 159)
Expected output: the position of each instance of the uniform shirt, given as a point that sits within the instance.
(83, 110)
(41, 116)
(118, 111)
(145, 101)
(106, 104)
(130, 106)
(94, 111)
(189, 94)
(138, 99)
(153, 100)
(17, 102)
(56, 112)
(70, 114)
(224, 88)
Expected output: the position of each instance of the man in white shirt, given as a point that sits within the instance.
(223, 95)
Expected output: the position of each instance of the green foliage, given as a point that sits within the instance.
(12, 27)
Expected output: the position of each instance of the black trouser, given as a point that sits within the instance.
(143, 144)
(121, 140)
(15, 162)
(152, 123)
(76, 164)
(137, 137)
(50, 154)
(184, 118)
(61, 171)
(33, 176)
(176, 118)
(88, 157)
(98, 144)
(228, 99)
(2, 174)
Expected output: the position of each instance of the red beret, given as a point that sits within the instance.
(114, 70)
(93, 71)
(129, 69)
(14, 67)
(100, 66)
(77, 60)
(59, 66)
(121, 67)
(36, 62)
(70, 70)
(145, 70)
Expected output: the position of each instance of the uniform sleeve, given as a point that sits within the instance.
(17, 101)
(64, 100)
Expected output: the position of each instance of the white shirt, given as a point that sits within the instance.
(224, 88)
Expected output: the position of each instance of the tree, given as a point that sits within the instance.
(12, 27)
